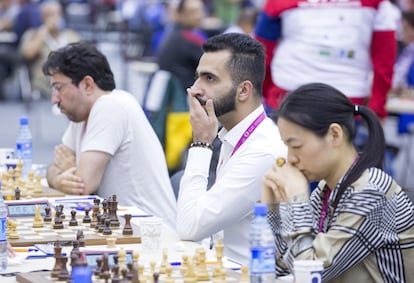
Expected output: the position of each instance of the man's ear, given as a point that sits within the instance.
(88, 84)
(244, 90)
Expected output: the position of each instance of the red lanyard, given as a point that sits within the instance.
(325, 208)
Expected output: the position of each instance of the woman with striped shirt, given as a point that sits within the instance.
(358, 221)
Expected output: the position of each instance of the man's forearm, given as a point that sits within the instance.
(52, 173)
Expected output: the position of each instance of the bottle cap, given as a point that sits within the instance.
(81, 274)
(24, 120)
(260, 209)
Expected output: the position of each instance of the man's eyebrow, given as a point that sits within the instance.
(205, 73)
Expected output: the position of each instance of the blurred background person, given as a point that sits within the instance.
(350, 45)
(246, 21)
(8, 13)
(37, 43)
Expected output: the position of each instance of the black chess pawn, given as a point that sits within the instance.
(156, 276)
(101, 224)
(48, 214)
(62, 214)
(80, 237)
(58, 224)
(115, 274)
(17, 193)
(73, 221)
(107, 230)
(87, 218)
(127, 228)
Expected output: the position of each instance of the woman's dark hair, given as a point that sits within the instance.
(247, 61)
(316, 106)
(408, 16)
(78, 60)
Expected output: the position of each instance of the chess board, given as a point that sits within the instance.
(44, 277)
(29, 236)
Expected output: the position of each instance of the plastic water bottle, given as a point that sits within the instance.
(262, 248)
(3, 235)
(24, 145)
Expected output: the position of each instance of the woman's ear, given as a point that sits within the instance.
(336, 134)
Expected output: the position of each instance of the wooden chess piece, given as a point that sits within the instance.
(48, 214)
(57, 266)
(219, 252)
(63, 273)
(105, 264)
(38, 221)
(244, 277)
(190, 276)
(17, 193)
(164, 262)
(110, 242)
(87, 218)
(107, 230)
(38, 189)
(73, 221)
(168, 271)
(115, 270)
(122, 258)
(12, 230)
(202, 272)
(80, 237)
(101, 223)
(127, 228)
(62, 214)
(184, 265)
(58, 224)
(113, 209)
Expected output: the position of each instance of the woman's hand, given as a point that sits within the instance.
(283, 182)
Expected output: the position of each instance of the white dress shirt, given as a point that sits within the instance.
(228, 205)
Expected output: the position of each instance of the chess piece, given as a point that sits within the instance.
(17, 193)
(73, 221)
(110, 242)
(48, 214)
(87, 218)
(62, 214)
(113, 210)
(105, 265)
(95, 212)
(244, 277)
(12, 230)
(101, 226)
(122, 258)
(135, 257)
(80, 237)
(115, 270)
(63, 273)
(202, 272)
(58, 224)
(164, 262)
(156, 276)
(75, 249)
(184, 265)
(57, 266)
(127, 228)
(38, 188)
(38, 221)
(190, 276)
(219, 252)
(168, 271)
(107, 230)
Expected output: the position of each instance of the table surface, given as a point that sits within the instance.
(169, 241)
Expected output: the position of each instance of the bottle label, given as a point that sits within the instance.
(24, 150)
(262, 260)
(3, 229)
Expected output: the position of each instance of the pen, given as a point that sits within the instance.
(24, 250)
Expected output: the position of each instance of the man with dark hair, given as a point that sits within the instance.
(230, 74)
(109, 147)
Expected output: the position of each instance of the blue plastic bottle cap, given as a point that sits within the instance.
(24, 120)
(82, 274)
(260, 209)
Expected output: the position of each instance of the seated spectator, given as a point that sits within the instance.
(8, 13)
(38, 42)
(403, 79)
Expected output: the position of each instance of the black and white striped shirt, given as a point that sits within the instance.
(369, 237)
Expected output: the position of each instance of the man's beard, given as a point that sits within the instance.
(227, 103)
